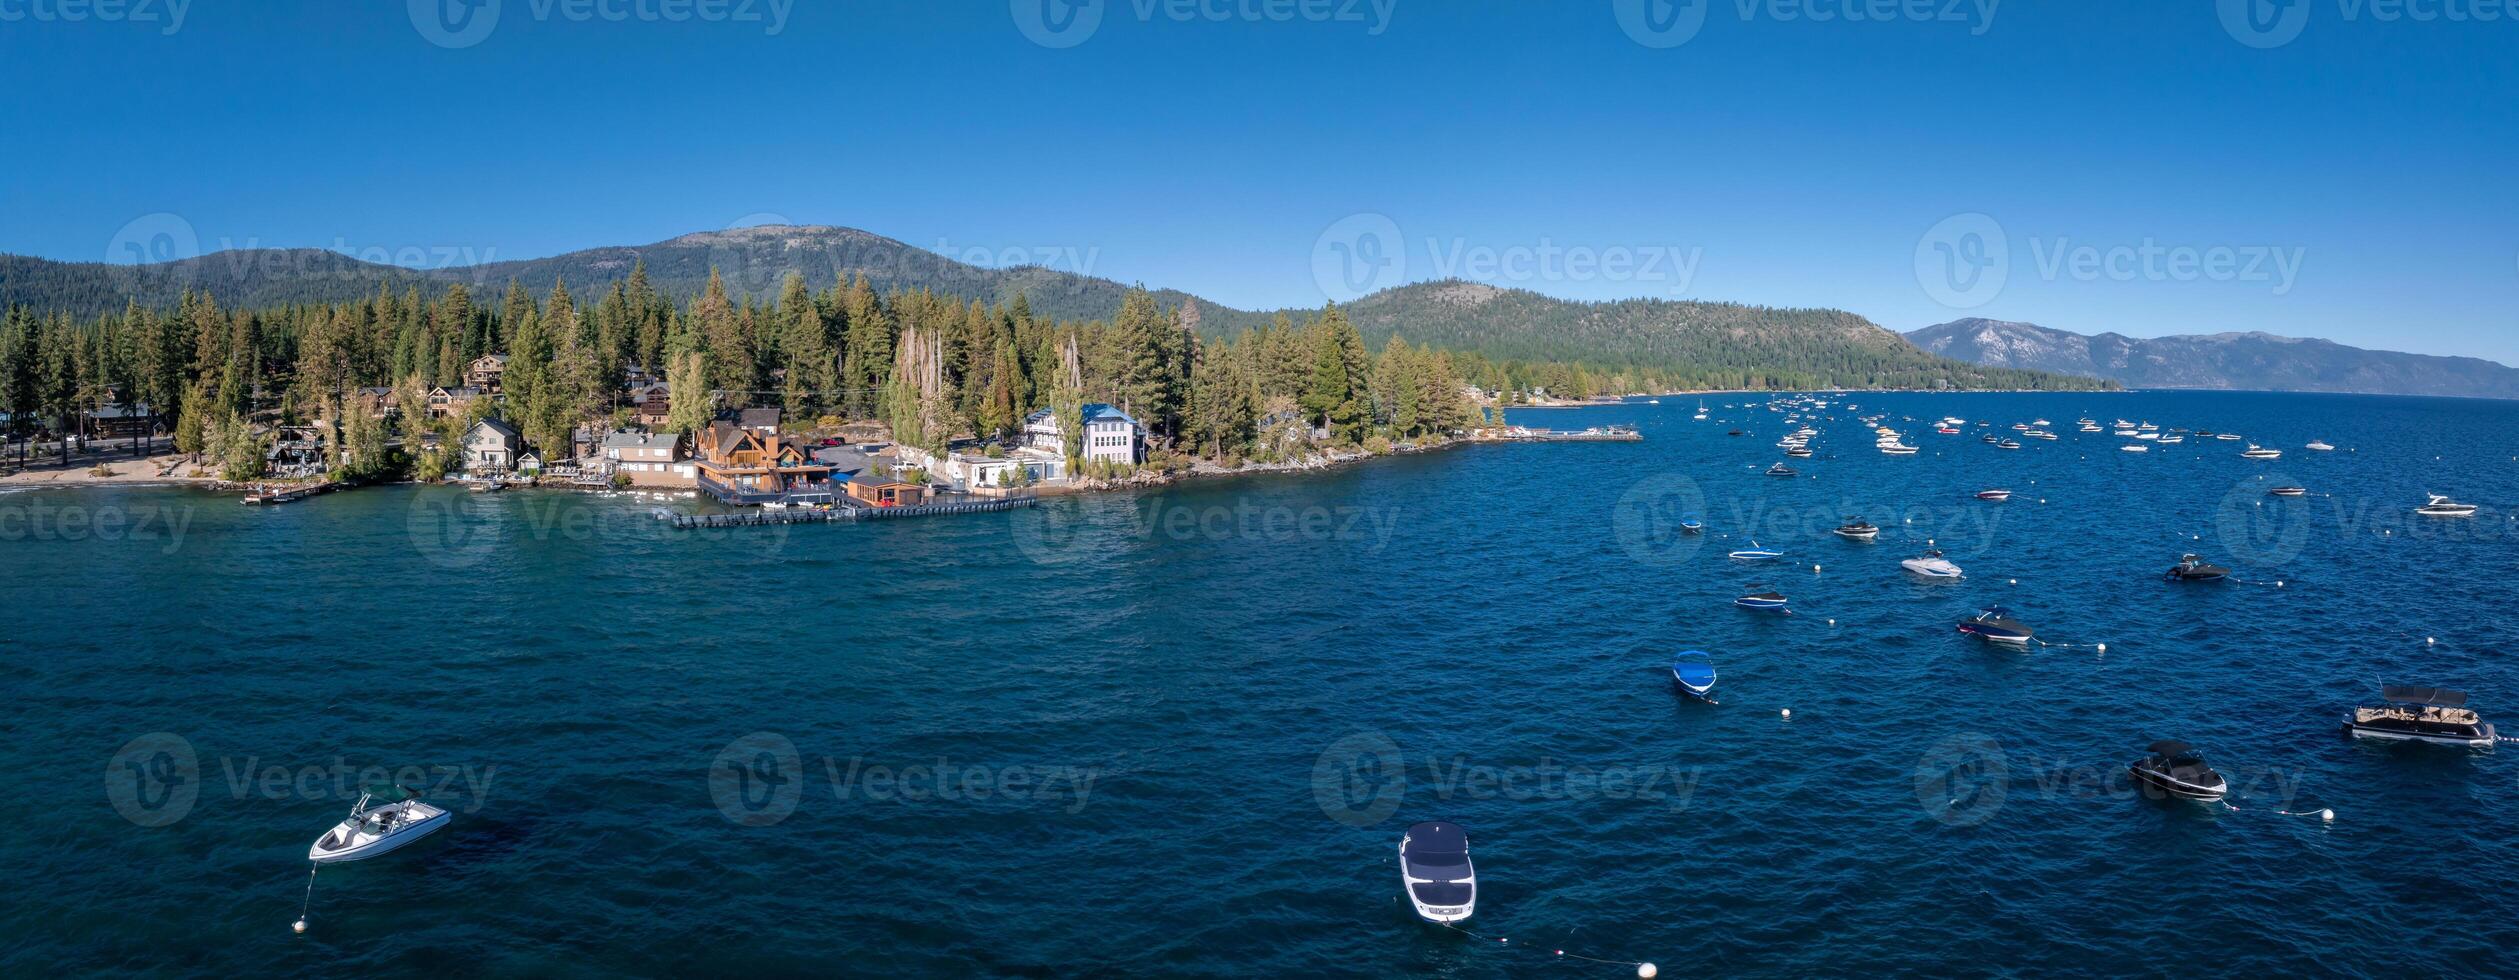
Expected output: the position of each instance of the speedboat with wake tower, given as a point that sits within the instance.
(1994, 624)
(1931, 564)
(373, 830)
(2193, 569)
(1434, 868)
(2176, 769)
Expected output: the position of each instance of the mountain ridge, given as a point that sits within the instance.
(1683, 342)
(2252, 360)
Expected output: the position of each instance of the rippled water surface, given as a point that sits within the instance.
(1179, 732)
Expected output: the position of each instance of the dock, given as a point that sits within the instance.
(839, 515)
(274, 496)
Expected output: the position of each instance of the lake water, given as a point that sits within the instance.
(1180, 731)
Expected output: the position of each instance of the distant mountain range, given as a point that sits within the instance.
(2255, 361)
(1686, 343)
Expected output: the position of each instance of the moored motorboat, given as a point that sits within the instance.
(1693, 673)
(2134, 447)
(2289, 491)
(2193, 569)
(1931, 564)
(2439, 506)
(370, 831)
(1756, 553)
(1997, 495)
(1692, 524)
(2421, 714)
(1995, 624)
(2008, 444)
(2260, 452)
(1434, 869)
(1761, 600)
(1858, 529)
(2176, 769)
(2320, 446)
(1781, 470)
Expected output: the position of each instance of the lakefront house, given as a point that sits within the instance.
(745, 459)
(660, 459)
(1109, 436)
(491, 446)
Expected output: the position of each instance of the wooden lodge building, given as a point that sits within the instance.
(746, 460)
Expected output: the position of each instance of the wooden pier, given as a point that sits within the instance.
(276, 495)
(838, 515)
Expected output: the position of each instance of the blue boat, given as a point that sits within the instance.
(1694, 674)
(1691, 524)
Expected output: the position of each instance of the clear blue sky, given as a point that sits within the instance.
(1778, 159)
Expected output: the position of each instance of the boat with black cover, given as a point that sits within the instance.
(2176, 769)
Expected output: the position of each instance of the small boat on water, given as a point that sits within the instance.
(1692, 524)
(2228, 437)
(1761, 600)
(1693, 673)
(2421, 714)
(1996, 495)
(2320, 446)
(370, 831)
(2255, 451)
(1994, 624)
(1434, 868)
(1781, 470)
(2176, 769)
(487, 486)
(2289, 492)
(2172, 440)
(2439, 506)
(1897, 449)
(2040, 434)
(1858, 529)
(2193, 569)
(1947, 430)
(2008, 444)
(1799, 452)
(1756, 553)
(2086, 427)
(2134, 447)
(1931, 564)
(1991, 440)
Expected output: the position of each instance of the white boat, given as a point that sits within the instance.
(2228, 437)
(1897, 449)
(2422, 714)
(2172, 440)
(2260, 452)
(1434, 869)
(2147, 436)
(370, 831)
(1931, 564)
(2439, 506)
(2134, 447)
(2320, 446)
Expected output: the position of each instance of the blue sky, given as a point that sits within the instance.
(2134, 166)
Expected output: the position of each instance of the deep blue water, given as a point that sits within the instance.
(1203, 715)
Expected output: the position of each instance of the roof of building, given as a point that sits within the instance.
(756, 418)
(870, 478)
(641, 440)
(1092, 411)
(499, 426)
(140, 411)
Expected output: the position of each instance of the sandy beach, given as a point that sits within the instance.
(161, 468)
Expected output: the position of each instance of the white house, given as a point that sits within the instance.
(659, 460)
(1109, 434)
(978, 469)
(491, 447)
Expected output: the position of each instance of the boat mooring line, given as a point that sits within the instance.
(1643, 969)
(311, 868)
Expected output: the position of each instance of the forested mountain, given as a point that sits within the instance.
(1692, 344)
(2256, 361)
(1613, 346)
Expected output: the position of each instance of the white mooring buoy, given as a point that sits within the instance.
(299, 927)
